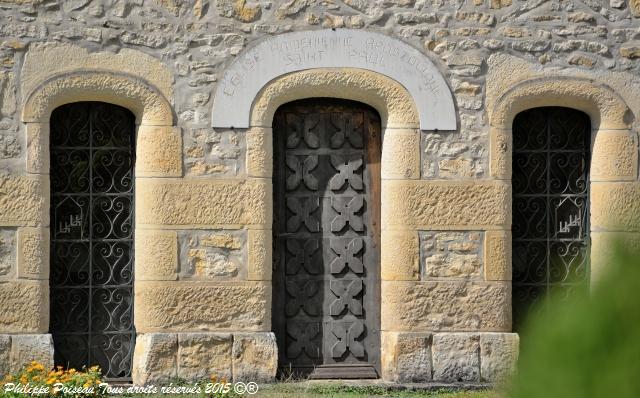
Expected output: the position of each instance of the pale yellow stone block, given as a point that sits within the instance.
(501, 148)
(259, 152)
(497, 255)
(202, 306)
(401, 154)
(498, 356)
(155, 358)
(159, 151)
(203, 355)
(200, 202)
(446, 306)
(259, 254)
(33, 253)
(400, 255)
(406, 357)
(392, 101)
(255, 357)
(615, 156)
(25, 307)
(26, 348)
(615, 206)
(156, 255)
(424, 204)
(24, 201)
(37, 148)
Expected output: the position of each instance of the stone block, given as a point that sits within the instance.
(615, 156)
(615, 206)
(400, 255)
(259, 152)
(5, 355)
(156, 254)
(500, 146)
(406, 357)
(456, 357)
(255, 357)
(259, 254)
(451, 254)
(25, 307)
(7, 253)
(37, 148)
(26, 348)
(446, 306)
(202, 306)
(497, 255)
(213, 255)
(24, 201)
(202, 355)
(159, 151)
(401, 154)
(498, 356)
(155, 358)
(33, 253)
(423, 204)
(197, 202)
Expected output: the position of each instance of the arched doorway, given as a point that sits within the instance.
(327, 238)
(551, 155)
(92, 201)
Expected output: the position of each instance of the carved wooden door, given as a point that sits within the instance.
(326, 237)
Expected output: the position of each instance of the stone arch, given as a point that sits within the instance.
(158, 149)
(614, 152)
(606, 108)
(270, 59)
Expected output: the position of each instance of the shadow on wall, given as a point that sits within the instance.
(588, 346)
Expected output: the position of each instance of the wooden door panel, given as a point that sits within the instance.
(326, 237)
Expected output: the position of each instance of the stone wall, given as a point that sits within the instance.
(203, 213)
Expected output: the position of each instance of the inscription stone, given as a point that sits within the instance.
(341, 48)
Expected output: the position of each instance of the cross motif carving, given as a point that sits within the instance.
(347, 251)
(304, 337)
(302, 172)
(305, 255)
(297, 127)
(346, 292)
(348, 129)
(302, 296)
(347, 207)
(347, 336)
(302, 209)
(347, 172)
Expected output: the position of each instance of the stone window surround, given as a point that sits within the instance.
(614, 149)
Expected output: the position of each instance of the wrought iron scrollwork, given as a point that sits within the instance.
(92, 155)
(550, 205)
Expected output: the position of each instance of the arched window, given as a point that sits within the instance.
(92, 158)
(550, 205)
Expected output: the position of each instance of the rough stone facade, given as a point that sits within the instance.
(203, 194)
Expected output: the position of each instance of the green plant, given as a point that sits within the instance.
(590, 346)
